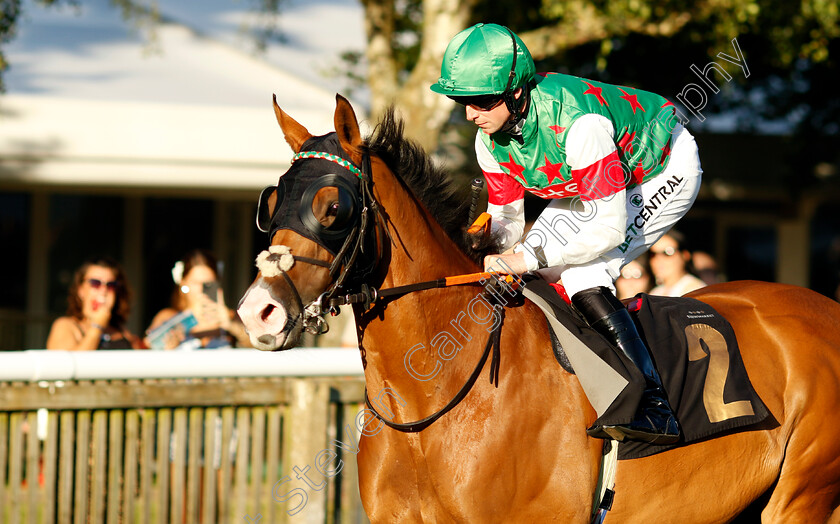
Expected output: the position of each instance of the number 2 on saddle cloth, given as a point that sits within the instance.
(695, 351)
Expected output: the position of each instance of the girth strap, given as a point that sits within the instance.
(493, 342)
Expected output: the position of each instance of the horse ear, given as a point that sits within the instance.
(295, 133)
(347, 128)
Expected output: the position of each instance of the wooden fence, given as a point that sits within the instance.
(203, 450)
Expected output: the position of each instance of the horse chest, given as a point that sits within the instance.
(435, 478)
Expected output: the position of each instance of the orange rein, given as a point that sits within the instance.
(369, 295)
(470, 278)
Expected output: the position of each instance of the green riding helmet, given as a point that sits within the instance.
(479, 61)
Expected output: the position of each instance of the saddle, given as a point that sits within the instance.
(696, 354)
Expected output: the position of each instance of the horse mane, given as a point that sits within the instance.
(431, 185)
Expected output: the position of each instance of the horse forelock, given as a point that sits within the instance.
(448, 204)
(328, 143)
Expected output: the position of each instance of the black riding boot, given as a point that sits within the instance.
(654, 421)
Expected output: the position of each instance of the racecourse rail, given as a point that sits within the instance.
(172, 437)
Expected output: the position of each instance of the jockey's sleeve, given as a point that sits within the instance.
(593, 158)
(506, 197)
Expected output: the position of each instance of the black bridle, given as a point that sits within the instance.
(351, 263)
(344, 269)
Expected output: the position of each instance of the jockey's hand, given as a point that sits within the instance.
(508, 263)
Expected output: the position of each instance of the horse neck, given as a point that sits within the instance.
(420, 248)
(420, 251)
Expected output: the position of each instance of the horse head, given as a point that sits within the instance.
(321, 231)
(348, 216)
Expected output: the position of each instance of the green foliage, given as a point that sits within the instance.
(265, 29)
(9, 13)
(406, 36)
(793, 30)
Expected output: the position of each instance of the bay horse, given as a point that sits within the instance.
(518, 451)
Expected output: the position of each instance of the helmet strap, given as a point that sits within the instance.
(516, 107)
(513, 105)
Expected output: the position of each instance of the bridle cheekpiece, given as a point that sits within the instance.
(352, 242)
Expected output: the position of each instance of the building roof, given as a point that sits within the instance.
(91, 102)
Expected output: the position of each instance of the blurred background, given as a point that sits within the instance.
(143, 129)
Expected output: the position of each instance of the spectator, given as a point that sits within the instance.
(97, 309)
(634, 278)
(196, 278)
(670, 262)
(705, 267)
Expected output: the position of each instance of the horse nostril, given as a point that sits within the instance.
(269, 309)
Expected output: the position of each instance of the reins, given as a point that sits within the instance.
(370, 295)
(493, 342)
(311, 317)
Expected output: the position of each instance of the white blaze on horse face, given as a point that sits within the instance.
(263, 316)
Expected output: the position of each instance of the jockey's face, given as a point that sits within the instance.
(490, 120)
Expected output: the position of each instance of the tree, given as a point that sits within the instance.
(9, 13)
(406, 40)
(793, 45)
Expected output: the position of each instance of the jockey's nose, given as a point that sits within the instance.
(264, 317)
(472, 114)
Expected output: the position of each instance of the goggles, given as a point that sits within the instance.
(480, 102)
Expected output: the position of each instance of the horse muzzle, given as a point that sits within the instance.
(269, 323)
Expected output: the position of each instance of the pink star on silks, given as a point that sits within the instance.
(634, 102)
(665, 151)
(595, 91)
(546, 73)
(558, 130)
(552, 171)
(626, 143)
(514, 169)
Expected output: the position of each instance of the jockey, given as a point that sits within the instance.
(617, 166)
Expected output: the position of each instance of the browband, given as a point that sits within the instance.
(346, 164)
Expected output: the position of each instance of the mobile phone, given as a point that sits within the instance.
(211, 289)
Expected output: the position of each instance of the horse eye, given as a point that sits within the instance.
(332, 209)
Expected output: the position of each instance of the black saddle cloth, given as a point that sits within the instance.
(700, 364)
(697, 356)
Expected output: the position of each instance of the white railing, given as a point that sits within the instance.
(169, 437)
(35, 365)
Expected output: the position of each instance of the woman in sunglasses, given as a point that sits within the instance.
(617, 168)
(97, 310)
(671, 263)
